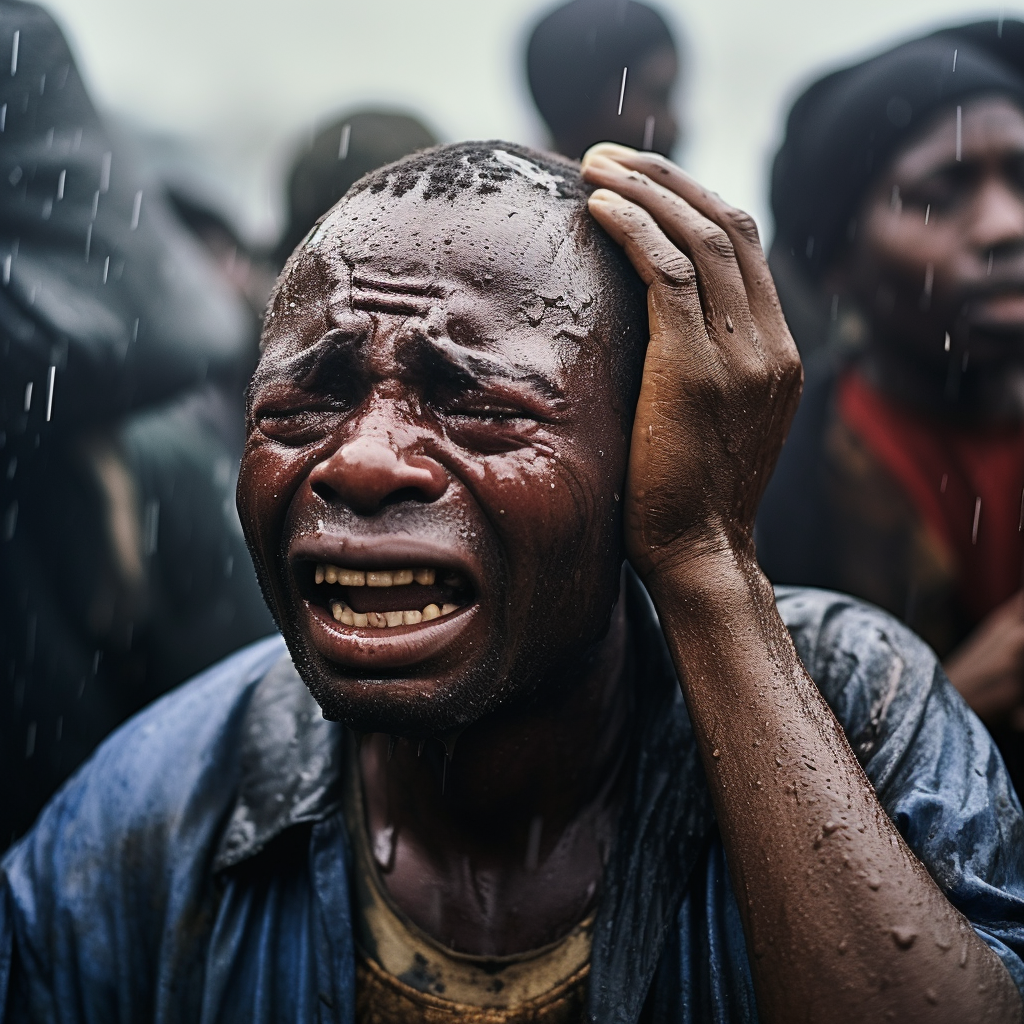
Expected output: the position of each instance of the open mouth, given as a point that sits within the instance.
(385, 598)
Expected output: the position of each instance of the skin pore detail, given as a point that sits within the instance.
(525, 465)
(426, 407)
(940, 251)
(444, 415)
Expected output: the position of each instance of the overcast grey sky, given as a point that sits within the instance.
(243, 79)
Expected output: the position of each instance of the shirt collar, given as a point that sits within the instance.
(290, 762)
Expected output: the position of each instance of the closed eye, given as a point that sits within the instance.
(296, 427)
(490, 428)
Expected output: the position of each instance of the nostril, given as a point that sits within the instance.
(324, 491)
(404, 494)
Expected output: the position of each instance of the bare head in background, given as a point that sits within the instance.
(575, 62)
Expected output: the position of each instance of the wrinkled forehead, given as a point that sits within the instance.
(512, 255)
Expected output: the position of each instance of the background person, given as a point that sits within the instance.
(574, 63)
(123, 357)
(899, 195)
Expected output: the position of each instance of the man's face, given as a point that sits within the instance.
(431, 483)
(941, 241)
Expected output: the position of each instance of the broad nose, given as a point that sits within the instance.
(369, 472)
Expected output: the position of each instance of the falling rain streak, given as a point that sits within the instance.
(959, 132)
(346, 136)
(51, 378)
(648, 131)
(622, 90)
(977, 520)
(14, 52)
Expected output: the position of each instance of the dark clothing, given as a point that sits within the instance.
(578, 49)
(198, 869)
(838, 514)
(842, 132)
(122, 362)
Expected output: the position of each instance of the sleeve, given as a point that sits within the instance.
(107, 905)
(933, 764)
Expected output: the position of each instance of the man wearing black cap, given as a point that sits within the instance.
(604, 71)
(899, 200)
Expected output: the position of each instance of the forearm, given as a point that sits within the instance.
(840, 917)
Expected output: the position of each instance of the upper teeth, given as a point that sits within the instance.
(373, 578)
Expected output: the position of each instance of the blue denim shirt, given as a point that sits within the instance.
(197, 868)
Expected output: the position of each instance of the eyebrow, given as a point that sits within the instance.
(459, 367)
(333, 352)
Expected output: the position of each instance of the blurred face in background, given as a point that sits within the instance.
(647, 120)
(940, 247)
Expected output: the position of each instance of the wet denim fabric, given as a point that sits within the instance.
(196, 869)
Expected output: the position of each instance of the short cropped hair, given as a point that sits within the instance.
(463, 170)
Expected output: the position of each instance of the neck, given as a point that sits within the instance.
(968, 394)
(461, 832)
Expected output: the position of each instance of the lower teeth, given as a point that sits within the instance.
(383, 620)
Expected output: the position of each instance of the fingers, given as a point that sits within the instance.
(738, 225)
(655, 258)
(721, 285)
(665, 270)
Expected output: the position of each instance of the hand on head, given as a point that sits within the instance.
(722, 377)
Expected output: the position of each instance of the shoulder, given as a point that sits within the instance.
(159, 784)
(877, 676)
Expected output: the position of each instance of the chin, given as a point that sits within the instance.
(404, 702)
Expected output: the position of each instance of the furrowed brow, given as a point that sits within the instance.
(335, 353)
(455, 366)
(406, 296)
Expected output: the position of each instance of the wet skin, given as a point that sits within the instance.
(438, 392)
(326, 477)
(962, 272)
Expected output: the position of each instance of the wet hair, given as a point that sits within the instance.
(463, 170)
(576, 49)
(450, 170)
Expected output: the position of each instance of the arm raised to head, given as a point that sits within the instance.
(721, 382)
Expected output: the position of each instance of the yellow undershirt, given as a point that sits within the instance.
(403, 975)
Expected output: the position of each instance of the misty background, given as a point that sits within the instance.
(224, 90)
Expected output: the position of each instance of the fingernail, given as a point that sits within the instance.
(608, 197)
(599, 162)
(609, 150)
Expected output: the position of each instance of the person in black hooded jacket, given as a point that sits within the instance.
(122, 363)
